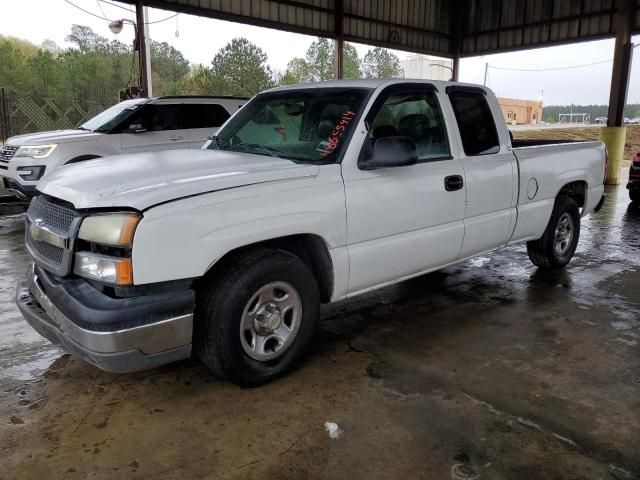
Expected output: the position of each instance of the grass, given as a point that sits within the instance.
(631, 146)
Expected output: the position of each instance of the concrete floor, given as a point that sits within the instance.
(490, 369)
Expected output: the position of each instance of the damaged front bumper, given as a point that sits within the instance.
(157, 335)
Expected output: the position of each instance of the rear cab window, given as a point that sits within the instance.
(475, 122)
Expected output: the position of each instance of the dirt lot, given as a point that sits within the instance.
(490, 369)
(631, 146)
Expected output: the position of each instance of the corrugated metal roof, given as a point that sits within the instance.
(426, 26)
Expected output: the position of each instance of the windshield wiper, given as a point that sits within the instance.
(84, 128)
(271, 151)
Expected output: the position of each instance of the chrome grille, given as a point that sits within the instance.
(53, 253)
(53, 216)
(50, 232)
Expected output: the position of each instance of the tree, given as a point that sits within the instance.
(350, 62)
(321, 60)
(168, 65)
(239, 68)
(298, 71)
(381, 63)
(320, 57)
(196, 82)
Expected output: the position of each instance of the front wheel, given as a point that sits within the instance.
(634, 194)
(557, 245)
(256, 317)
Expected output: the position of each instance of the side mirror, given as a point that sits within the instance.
(390, 152)
(135, 128)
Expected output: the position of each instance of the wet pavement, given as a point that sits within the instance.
(490, 369)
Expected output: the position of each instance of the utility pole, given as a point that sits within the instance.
(486, 70)
(142, 49)
(147, 53)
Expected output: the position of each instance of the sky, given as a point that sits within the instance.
(200, 38)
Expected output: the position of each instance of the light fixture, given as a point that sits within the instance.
(116, 26)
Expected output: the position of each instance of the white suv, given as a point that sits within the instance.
(131, 126)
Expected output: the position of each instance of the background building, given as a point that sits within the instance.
(426, 66)
(520, 112)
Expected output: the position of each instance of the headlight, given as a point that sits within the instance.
(112, 229)
(35, 151)
(116, 271)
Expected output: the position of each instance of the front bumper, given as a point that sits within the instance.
(120, 350)
(23, 192)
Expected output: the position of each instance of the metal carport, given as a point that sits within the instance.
(448, 28)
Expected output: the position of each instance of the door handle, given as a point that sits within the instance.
(175, 138)
(453, 183)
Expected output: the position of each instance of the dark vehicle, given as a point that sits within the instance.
(634, 179)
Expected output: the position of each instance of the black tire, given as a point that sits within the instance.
(634, 195)
(542, 252)
(220, 305)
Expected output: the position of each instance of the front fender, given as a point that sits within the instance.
(184, 239)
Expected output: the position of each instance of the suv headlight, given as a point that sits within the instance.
(111, 237)
(35, 151)
(112, 229)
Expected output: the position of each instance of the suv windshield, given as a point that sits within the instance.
(304, 125)
(111, 117)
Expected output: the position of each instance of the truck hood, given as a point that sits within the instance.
(54, 136)
(142, 180)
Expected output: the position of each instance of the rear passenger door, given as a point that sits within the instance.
(155, 127)
(490, 172)
(203, 121)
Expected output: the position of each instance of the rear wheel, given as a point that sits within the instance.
(256, 317)
(557, 245)
(634, 194)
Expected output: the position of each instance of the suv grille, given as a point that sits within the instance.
(6, 153)
(49, 219)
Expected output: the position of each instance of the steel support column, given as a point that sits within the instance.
(614, 134)
(141, 46)
(339, 42)
(459, 10)
(621, 62)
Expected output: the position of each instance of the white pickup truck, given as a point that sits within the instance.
(309, 194)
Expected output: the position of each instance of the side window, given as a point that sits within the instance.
(157, 118)
(476, 123)
(415, 115)
(205, 115)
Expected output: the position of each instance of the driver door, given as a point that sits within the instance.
(403, 221)
(155, 127)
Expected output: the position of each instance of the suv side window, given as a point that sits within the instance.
(207, 115)
(157, 118)
(476, 123)
(416, 115)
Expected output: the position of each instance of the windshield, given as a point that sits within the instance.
(111, 117)
(307, 126)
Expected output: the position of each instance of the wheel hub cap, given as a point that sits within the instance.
(563, 234)
(268, 318)
(270, 321)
